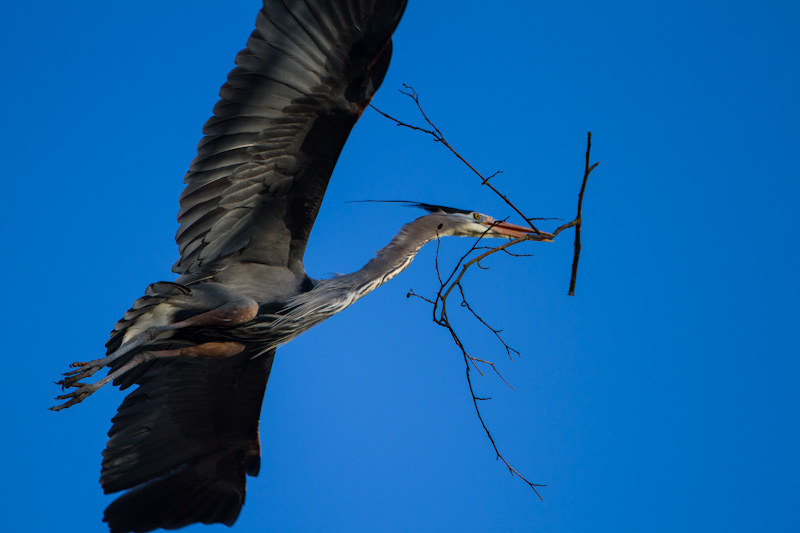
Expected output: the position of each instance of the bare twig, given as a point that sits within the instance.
(496, 332)
(475, 400)
(415, 295)
(441, 318)
(439, 137)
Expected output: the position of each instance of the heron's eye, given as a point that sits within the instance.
(476, 216)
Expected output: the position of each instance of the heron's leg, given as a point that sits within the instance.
(233, 313)
(210, 350)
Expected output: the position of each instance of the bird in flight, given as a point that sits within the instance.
(200, 349)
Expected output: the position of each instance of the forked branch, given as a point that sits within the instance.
(475, 255)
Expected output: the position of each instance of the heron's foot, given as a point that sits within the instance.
(77, 396)
(82, 370)
(208, 350)
(84, 390)
(88, 369)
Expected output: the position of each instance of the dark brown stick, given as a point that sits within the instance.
(579, 217)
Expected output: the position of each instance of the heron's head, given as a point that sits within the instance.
(449, 221)
(462, 223)
(474, 224)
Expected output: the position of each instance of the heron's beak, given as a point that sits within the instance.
(512, 230)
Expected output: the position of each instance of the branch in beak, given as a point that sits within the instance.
(512, 230)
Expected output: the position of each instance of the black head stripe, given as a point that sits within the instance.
(431, 208)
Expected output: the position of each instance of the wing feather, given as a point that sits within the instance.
(306, 75)
(187, 435)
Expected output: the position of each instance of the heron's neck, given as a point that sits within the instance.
(393, 258)
(331, 296)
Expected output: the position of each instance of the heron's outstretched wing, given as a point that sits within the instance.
(183, 441)
(309, 70)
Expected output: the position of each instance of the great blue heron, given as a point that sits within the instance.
(200, 349)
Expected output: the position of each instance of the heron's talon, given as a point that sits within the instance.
(69, 381)
(75, 396)
(82, 370)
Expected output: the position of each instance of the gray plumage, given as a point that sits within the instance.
(200, 349)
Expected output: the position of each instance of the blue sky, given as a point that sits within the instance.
(661, 397)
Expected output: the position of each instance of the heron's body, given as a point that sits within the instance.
(200, 349)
